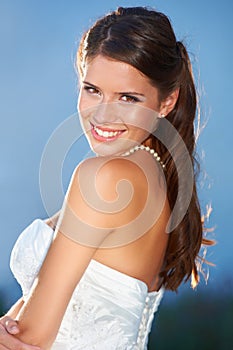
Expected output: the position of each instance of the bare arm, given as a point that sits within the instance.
(7, 321)
(14, 310)
(40, 317)
(9, 327)
(80, 231)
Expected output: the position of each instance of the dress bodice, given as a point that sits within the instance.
(108, 309)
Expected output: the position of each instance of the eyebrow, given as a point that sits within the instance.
(119, 93)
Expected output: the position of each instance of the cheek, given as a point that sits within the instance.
(142, 118)
(81, 104)
(82, 110)
(87, 104)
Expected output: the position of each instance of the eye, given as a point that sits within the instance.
(91, 90)
(129, 98)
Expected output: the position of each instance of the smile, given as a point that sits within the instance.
(105, 134)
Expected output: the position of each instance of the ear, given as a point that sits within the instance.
(168, 103)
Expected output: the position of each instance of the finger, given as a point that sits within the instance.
(11, 326)
(9, 342)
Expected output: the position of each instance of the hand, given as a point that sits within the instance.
(8, 328)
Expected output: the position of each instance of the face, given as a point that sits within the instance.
(118, 106)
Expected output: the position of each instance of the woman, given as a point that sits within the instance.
(130, 227)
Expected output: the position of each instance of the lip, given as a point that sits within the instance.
(113, 134)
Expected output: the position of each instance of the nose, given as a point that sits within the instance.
(106, 113)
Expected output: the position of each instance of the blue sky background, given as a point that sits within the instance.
(38, 90)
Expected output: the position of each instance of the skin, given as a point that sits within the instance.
(126, 105)
(125, 102)
(52, 291)
(8, 326)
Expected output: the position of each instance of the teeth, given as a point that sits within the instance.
(106, 133)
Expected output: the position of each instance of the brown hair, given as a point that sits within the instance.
(145, 39)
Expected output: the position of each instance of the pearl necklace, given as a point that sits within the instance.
(145, 148)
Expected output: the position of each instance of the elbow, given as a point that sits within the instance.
(36, 338)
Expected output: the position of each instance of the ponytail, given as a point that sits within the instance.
(182, 260)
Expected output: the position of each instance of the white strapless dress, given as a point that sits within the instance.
(108, 310)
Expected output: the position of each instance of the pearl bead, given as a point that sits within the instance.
(147, 149)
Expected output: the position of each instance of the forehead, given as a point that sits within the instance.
(106, 71)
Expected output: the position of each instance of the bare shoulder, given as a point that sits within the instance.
(117, 195)
(110, 174)
(108, 192)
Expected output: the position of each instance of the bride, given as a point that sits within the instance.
(130, 226)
